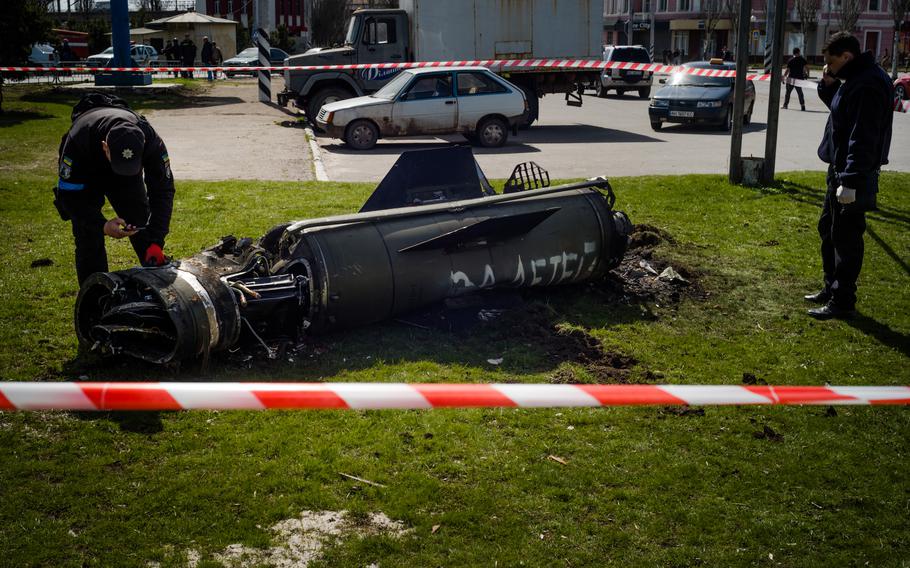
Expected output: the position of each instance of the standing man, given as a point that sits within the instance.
(187, 55)
(855, 145)
(104, 154)
(217, 57)
(206, 55)
(797, 68)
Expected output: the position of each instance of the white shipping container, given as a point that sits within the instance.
(448, 30)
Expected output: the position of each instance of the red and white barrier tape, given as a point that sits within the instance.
(516, 65)
(495, 64)
(259, 396)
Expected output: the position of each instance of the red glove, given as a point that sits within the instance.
(154, 256)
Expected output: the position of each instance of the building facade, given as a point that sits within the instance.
(271, 13)
(681, 25)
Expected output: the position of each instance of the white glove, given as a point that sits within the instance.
(845, 195)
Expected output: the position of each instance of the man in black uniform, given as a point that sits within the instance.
(855, 145)
(796, 69)
(104, 155)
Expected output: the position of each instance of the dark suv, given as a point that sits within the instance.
(622, 80)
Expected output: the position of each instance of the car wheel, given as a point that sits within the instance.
(900, 92)
(727, 124)
(599, 89)
(361, 134)
(322, 98)
(748, 118)
(644, 93)
(656, 125)
(492, 132)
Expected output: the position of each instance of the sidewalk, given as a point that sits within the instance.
(227, 134)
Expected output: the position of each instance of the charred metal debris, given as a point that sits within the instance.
(433, 229)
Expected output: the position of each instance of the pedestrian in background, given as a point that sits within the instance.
(797, 68)
(187, 55)
(206, 56)
(217, 58)
(172, 54)
(855, 145)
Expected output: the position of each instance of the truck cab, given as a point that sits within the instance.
(373, 36)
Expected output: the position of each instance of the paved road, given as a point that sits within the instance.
(613, 137)
(226, 134)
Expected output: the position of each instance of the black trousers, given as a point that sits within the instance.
(129, 201)
(799, 93)
(841, 228)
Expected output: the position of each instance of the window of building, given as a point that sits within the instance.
(379, 31)
(684, 5)
(625, 6)
(662, 6)
(230, 6)
(874, 5)
(218, 7)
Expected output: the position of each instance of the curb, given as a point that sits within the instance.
(318, 164)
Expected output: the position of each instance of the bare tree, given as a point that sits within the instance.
(329, 18)
(83, 5)
(849, 13)
(714, 11)
(899, 10)
(731, 10)
(151, 5)
(808, 18)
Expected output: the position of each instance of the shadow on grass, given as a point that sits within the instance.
(884, 334)
(16, 117)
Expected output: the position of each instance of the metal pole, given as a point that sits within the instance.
(631, 14)
(739, 91)
(777, 57)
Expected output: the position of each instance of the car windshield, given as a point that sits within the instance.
(687, 80)
(393, 87)
(631, 55)
(249, 52)
(108, 50)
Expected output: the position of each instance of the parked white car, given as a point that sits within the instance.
(43, 55)
(472, 101)
(143, 55)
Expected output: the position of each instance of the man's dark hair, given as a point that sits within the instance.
(840, 42)
(795, 51)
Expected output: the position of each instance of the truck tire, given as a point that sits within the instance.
(656, 125)
(324, 97)
(492, 132)
(361, 134)
(533, 104)
(644, 93)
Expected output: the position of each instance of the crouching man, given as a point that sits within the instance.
(105, 153)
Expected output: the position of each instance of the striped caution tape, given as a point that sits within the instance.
(93, 396)
(499, 65)
(494, 64)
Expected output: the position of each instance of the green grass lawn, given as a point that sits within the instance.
(639, 486)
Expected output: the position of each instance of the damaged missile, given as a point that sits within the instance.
(433, 229)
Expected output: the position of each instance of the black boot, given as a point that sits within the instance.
(818, 297)
(831, 310)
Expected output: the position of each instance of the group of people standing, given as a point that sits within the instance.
(185, 52)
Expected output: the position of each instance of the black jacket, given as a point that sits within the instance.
(858, 134)
(206, 52)
(83, 168)
(187, 52)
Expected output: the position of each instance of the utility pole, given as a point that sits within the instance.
(777, 58)
(631, 14)
(739, 91)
